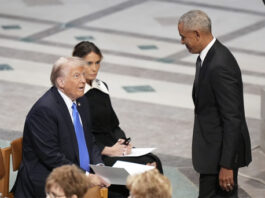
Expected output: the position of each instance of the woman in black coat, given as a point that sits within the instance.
(105, 124)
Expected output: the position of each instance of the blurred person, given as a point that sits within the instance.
(53, 133)
(221, 142)
(67, 181)
(105, 124)
(150, 184)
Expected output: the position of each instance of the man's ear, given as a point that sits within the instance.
(60, 82)
(197, 34)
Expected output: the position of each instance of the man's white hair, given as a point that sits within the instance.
(62, 64)
(196, 20)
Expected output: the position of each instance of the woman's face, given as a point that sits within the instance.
(57, 192)
(93, 61)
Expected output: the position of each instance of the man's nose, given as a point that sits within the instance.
(83, 78)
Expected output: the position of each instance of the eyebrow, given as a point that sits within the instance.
(92, 61)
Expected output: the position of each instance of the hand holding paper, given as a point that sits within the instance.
(136, 152)
(120, 171)
(98, 180)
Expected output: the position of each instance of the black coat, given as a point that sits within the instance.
(220, 136)
(49, 141)
(105, 128)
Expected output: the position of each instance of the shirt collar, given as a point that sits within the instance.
(97, 84)
(67, 100)
(206, 49)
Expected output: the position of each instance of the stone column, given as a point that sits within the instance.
(262, 134)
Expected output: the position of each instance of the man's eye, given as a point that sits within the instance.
(76, 75)
(89, 63)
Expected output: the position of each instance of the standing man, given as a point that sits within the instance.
(221, 142)
(57, 131)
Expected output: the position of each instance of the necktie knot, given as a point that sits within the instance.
(74, 106)
(199, 61)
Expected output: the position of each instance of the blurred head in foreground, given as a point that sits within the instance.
(150, 184)
(67, 181)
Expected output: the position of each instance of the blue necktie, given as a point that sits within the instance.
(83, 153)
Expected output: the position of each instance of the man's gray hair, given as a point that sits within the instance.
(59, 67)
(196, 20)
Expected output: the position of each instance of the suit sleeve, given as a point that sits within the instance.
(96, 152)
(100, 146)
(43, 129)
(227, 87)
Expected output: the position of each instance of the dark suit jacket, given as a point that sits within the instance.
(220, 136)
(49, 141)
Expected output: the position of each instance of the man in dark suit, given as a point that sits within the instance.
(221, 142)
(51, 136)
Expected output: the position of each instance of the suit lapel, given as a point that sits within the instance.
(80, 108)
(193, 94)
(68, 120)
(201, 77)
(203, 70)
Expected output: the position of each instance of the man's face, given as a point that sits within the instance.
(73, 82)
(190, 39)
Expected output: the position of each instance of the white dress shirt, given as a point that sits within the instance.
(206, 49)
(69, 104)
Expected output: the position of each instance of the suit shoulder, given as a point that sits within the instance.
(46, 103)
(221, 58)
(224, 55)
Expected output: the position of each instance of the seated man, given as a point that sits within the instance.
(53, 134)
(67, 181)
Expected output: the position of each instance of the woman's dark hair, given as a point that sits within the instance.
(85, 47)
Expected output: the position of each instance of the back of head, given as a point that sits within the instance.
(150, 184)
(196, 20)
(85, 47)
(70, 179)
(62, 66)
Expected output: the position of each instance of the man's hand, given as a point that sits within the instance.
(97, 181)
(226, 179)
